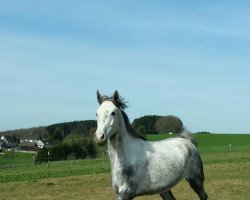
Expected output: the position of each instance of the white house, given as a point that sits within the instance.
(29, 138)
(1, 145)
(8, 142)
(3, 138)
(41, 144)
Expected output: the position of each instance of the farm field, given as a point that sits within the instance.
(226, 163)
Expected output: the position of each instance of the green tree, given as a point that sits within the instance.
(59, 151)
(79, 151)
(76, 127)
(148, 122)
(169, 124)
(141, 130)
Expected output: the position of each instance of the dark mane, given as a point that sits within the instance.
(119, 103)
(129, 128)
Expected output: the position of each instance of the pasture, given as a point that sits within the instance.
(226, 163)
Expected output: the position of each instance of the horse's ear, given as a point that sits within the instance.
(99, 97)
(116, 96)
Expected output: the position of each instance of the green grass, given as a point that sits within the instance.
(214, 149)
(209, 143)
(33, 172)
(223, 142)
(11, 157)
(226, 168)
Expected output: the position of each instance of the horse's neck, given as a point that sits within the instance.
(118, 147)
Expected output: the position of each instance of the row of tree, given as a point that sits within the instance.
(150, 124)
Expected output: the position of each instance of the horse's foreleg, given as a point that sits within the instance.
(167, 195)
(125, 194)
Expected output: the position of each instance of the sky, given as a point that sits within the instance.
(184, 58)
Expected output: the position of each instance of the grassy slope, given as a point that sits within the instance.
(226, 169)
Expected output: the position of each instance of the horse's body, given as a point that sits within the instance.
(140, 167)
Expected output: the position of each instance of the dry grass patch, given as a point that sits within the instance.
(223, 181)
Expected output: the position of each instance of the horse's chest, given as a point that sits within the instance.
(117, 180)
(122, 176)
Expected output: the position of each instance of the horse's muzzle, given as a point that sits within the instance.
(100, 141)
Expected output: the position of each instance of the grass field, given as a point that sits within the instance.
(226, 162)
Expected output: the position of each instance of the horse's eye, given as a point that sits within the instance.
(113, 113)
(96, 114)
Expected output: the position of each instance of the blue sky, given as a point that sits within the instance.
(184, 58)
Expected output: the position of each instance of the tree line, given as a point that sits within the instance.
(75, 139)
(150, 124)
(57, 132)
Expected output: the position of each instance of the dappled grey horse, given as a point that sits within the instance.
(140, 167)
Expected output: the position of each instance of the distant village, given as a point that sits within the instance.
(32, 139)
(26, 144)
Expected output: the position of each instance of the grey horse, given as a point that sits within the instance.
(140, 167)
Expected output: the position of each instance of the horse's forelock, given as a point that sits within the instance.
(119, 103)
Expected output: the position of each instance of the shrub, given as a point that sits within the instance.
(91, 148)
(42, 156)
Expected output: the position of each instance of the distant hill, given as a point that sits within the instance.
(20, 133)
(77, 127)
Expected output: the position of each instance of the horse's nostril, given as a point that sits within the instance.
(102, 137)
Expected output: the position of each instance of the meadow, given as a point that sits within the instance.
(226, 160)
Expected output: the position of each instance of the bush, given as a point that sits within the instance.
(91, 149)
(42, 156)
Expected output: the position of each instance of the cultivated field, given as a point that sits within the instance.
(226, 161)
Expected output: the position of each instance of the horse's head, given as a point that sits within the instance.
(108, 116)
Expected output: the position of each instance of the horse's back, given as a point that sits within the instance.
(177, 154)
(172, 146)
